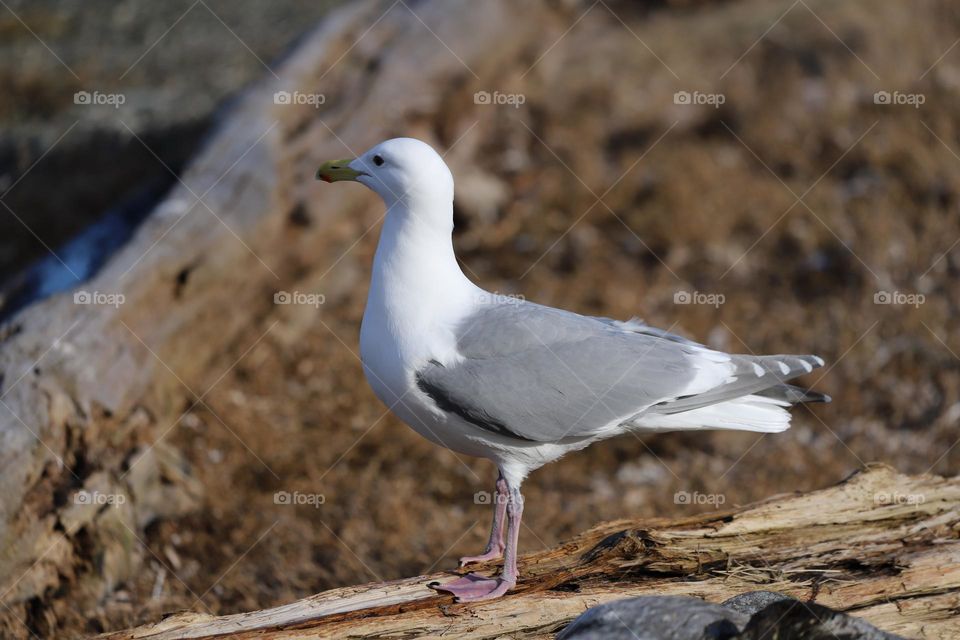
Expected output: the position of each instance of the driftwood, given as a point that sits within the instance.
(881, 546)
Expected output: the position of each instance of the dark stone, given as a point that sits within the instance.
(753, 601)
(774, 615)
(796, 620)
(656, 618)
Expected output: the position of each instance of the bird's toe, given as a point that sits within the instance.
(474, 587)
(492, 554)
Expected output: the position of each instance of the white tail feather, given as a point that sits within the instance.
(749, 413)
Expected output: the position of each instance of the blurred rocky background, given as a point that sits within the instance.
(761, 176)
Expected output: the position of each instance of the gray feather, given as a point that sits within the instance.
(753, 374)
(540, 374)
(547, 375)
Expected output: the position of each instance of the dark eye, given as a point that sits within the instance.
(378, 160)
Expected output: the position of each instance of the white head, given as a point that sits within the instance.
(402, 171)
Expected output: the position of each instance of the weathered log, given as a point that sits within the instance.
(882, 546)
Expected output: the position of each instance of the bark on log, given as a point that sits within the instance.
(881, 546)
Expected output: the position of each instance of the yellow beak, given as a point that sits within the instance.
(338, 170)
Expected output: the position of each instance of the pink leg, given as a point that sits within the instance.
(473, 587)
(494, 548)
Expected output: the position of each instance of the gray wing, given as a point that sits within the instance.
(541, 374)
(637, 325)
(769, 372)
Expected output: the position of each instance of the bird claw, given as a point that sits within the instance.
(492, 554)
(474, 587)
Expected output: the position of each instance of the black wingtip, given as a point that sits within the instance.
(794, 394)
(815, 396)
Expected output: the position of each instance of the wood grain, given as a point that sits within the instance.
(881, 545)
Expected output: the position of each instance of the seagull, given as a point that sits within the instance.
(520, 383)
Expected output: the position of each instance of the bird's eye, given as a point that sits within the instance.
(378, 160)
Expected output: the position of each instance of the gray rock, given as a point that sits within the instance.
(753, 601)
(656, 618)
(756, 615)
(796, 620)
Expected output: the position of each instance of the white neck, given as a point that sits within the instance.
(417, 291)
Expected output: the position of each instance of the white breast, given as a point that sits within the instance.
(390, 364)
(418, 295)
